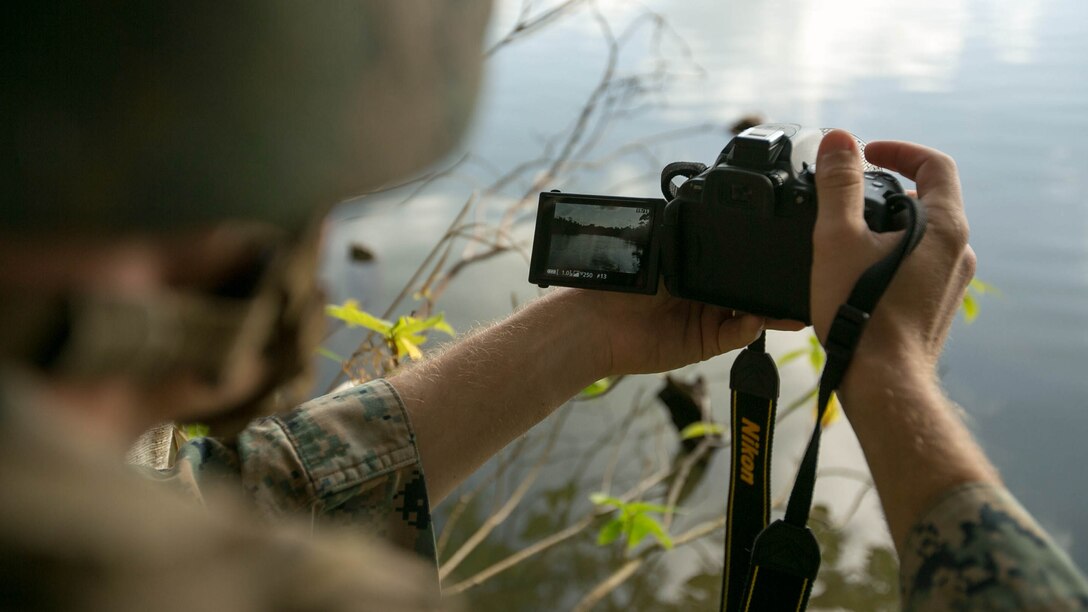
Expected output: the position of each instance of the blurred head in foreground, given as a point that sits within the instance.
(166, 166)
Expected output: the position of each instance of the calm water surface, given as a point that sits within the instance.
(1001, 85)
(594, 253)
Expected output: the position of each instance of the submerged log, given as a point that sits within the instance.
(746, 122)
(687, 403)
(360, 254)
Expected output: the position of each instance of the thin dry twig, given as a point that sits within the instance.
(635, 492)
(628, 569)
(505, 461)
(606, 586)
(526, 553)
(682, 475)
(512, 502)
(527, 25)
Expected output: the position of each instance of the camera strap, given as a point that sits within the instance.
(753, 383)
(785, 556)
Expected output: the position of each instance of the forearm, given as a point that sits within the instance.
(915, 443)
(963, 540)
(471, 400)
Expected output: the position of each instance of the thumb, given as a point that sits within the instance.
(738, 332)
(839, 183)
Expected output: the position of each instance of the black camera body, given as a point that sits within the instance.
(737, 234)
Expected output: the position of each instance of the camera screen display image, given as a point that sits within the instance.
(598, 242)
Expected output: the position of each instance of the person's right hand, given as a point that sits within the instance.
(906, 333)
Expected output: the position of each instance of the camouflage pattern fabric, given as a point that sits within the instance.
(978, 549)
(347, 459)
(350, 458)
(78, 530)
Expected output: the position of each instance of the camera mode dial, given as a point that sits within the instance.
(882, 212)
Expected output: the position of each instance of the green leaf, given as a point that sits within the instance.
(351, 314)
(640, 507)
(816, 353)
(194, 430)
(642, 526)
(438, 323)
(654, 528)
(326, 353)
(405, 346)
(832, 413)
(598, 388)
(970, 307)
(412, 325)
(413, 338)
(813, 351)
(406, 334)
(975, 290)
(982, 287)
(637, 530)
(793, 355)
(445, 328)
(700, 429)
(600, 499)
(609, 532)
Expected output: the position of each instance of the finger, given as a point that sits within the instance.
(962, 273)
(784, 325)
(938, 186)
(777, 324)
(739, 331)
(839, 183)
(933, 171)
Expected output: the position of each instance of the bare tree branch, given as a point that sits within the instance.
(506, 460)
(526, 25)
(512, 502)
(625, 571)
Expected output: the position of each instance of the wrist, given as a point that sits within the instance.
(875, 379)
(914, 439)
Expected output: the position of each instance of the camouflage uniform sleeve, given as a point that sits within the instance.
(978, 549)
(349, 458)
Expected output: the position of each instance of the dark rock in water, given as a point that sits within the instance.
(360, 253)
(687, 403)
(746, 122)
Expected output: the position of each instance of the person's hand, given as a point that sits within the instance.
(656, 333)
(909, 326)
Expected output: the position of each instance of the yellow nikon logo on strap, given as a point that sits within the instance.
(749, 449)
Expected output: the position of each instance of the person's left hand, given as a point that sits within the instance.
(656, 333)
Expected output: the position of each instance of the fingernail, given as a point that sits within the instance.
(834, 143)
(754, 323)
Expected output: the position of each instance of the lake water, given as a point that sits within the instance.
(594, 253)
(1002, 85)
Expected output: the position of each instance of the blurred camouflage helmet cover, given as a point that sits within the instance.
(132, 116)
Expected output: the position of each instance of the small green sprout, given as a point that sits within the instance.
(403, 337)
(633, 522)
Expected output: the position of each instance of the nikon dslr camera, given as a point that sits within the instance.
(737, 234)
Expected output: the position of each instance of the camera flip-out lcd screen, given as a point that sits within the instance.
(597, 242)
